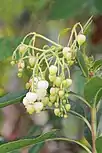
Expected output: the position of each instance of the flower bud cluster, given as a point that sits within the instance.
(59, 92)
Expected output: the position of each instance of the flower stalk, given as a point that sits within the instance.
(93, 125)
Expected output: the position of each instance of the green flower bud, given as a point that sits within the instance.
(52, 98)
(53, 70)
(61, 93)
(66, 95)
(22, 49)
(64, 83)
(66, 50)
(57, 111)
(30, 109)
(66, 53)
(20, 70)
(52, 78)
(70, 63)
(13, 63)
(49, 104)
(57, 90)
(68, 56)
(28, 85)
(61, 115)
(61, 109)
(53, 91)
(69, 82)
(28, 67)
(32, 61)
(38, 106)
(58, 81)
(64, 101)
(56, 104)
(67, 106)
(45, 101)
(65, 116)
(81, 39)
(19, 74)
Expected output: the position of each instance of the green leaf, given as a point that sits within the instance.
(99, 144)
(17, 144)
(97, 64)
(91, 89)
(12, 98)
(62, 33)
(79, 97)
(36, 148)
(98, 5)
(98, 96)
(82, 118)
(33, 130)
(7, 46)
(77, 142)
(66, 9)
(87, 25)
(82, 64)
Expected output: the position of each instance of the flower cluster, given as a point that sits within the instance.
(33, 100)
(50, 81)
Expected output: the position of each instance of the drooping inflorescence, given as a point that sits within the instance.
(50, 82)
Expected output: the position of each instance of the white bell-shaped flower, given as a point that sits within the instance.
(31, 96)
(43, 84)
(25, 101)
(41, 93)
(30, 109)
(38, 106)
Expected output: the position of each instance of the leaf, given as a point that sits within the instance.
(33, 130)
(7, 46)
(62, 33)
(97, 64)
(99, 144)
(82, 64)
(91, 88)
(36, 148)
(98, 96)
(12, 98)
(98, 5)
(82, 118)
(66, 9)
(87, 25)
(79, 97)
(17, 144)
(77, 142)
